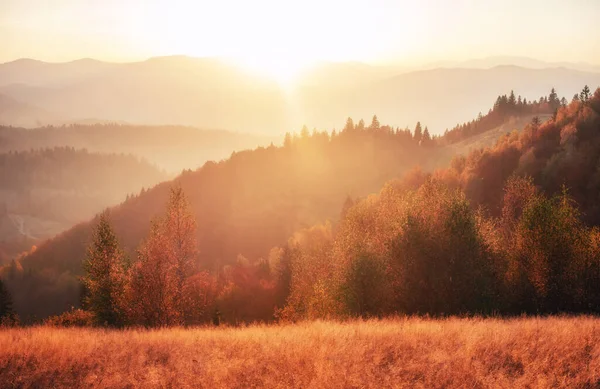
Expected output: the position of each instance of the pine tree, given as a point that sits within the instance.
(104, 279)
(553, 99)
(6, 307)
(418, 134)
(585, 94)
(375, 123)
(349, 127)
(426, 141)
(361, 125)
(512, 101)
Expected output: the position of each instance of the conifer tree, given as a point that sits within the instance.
(104, 279)
(418, 134)
(349, 127)
(426, 141)
(375, 123)
(361, 125)
(6, 306)
(585, 94)
(512, 101)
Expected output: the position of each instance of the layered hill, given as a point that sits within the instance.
(46, 191)
(256, 200)
(172, 148)
(212, 93)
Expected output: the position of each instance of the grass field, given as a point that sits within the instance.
(451, 353)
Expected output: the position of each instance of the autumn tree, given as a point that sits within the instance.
(365, 288)
(104, 279)
(180, 228)
(166, 260)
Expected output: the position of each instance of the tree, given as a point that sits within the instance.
(553, 100)
(374, 123)
(512, 101)
(361, 125)
(180, 229)
(563, 102)
(349, 127)
(418, 134)
(287, 141)
(585, 94)
(426, 140)
(6, 308)
(104, 279)
(365, 288)
(166, 261)
(304, 133)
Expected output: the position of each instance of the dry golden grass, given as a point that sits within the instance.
(460, 353)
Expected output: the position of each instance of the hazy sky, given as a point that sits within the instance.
(300, 31)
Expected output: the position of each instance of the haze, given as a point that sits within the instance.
(281, 37)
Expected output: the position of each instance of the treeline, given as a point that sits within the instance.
(172, 148)
(504, 108)
(7, 313)
(45, 191)
(247, 206)
(403, 137)
(280, 189)
(404, 251)
(78, 170)
(427, 244)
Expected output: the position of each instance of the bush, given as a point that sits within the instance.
(73, 318)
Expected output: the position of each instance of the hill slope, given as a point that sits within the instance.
(46, 191)
(172, 148)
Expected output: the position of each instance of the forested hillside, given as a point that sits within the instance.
(172, 148)
(244, 205)
(509, 229)
(247, 207)
(46, 191)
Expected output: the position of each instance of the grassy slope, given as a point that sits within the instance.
(534, 352)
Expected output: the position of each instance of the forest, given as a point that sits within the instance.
(46, 191)
(171, 148)
(501, 230)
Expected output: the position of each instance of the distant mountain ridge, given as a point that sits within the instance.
(214, 93)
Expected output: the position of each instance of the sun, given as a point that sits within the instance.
(284, 70)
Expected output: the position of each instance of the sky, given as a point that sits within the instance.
(280, 33)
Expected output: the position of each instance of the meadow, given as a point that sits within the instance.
(549, 352)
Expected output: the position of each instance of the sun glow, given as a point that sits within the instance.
(284, 70)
